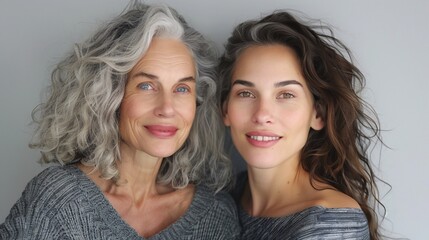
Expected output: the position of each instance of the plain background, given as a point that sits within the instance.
(389, 39)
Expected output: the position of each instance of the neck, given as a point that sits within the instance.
(138, 173)
(272, 189)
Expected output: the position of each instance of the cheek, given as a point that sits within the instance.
(187, 110)
(299, 121)
(236, 114)
(130, 109)
(191, 114)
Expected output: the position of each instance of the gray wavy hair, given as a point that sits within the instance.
(79, 121)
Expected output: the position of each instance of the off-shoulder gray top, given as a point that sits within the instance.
(312, 223)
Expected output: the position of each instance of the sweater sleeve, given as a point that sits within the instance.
(334, 224)
(31, 215)
(16, 225)
(232, 226)
(221, 220)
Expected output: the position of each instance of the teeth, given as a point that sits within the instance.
(264, 138)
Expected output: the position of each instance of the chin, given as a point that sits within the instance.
(160, 152)
(261, 165)
(163, 154)
(262, 162)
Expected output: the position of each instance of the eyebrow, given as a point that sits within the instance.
(154, 77)
(287, 82)
(277, 84)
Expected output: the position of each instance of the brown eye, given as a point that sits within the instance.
(285, 95)
(246, 94)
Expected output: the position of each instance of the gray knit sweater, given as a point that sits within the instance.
(62, 203)
(310, 224)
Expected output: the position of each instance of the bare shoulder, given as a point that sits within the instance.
(331, 198)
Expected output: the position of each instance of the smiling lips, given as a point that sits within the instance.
(259, 139)
(264, 138)
(161, 131)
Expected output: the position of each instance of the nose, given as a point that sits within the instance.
(164, 106)
(263, 113)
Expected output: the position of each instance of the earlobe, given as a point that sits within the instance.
(225, 115)
(317, 122)
(226, 119)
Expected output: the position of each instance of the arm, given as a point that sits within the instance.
(334, 224)
(221, 220)
(32, 216)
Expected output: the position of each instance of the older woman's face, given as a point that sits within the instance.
(159, 103)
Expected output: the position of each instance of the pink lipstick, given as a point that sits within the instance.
(262, 139)
(161, 131)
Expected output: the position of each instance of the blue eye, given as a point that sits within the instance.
(145, 86)
(246, 94)
(182, 89)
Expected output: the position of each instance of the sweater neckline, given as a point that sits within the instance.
(317, 209)
(196, 210)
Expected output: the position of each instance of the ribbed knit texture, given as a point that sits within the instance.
(62, 203)
(310, 224)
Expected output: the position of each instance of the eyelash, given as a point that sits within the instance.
(145, 86)
(186, 88)
(245, 94)
(286, 95)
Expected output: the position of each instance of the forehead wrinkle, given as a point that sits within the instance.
(167, 59)
(145, 65)
(144, 74)
(154, 77)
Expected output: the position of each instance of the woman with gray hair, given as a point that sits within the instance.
(131, 118)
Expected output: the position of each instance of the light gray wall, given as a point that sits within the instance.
(390, 40)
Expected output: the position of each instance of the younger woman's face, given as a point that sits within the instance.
(270, 109)
(159, 103)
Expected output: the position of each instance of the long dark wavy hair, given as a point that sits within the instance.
(339, 153)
